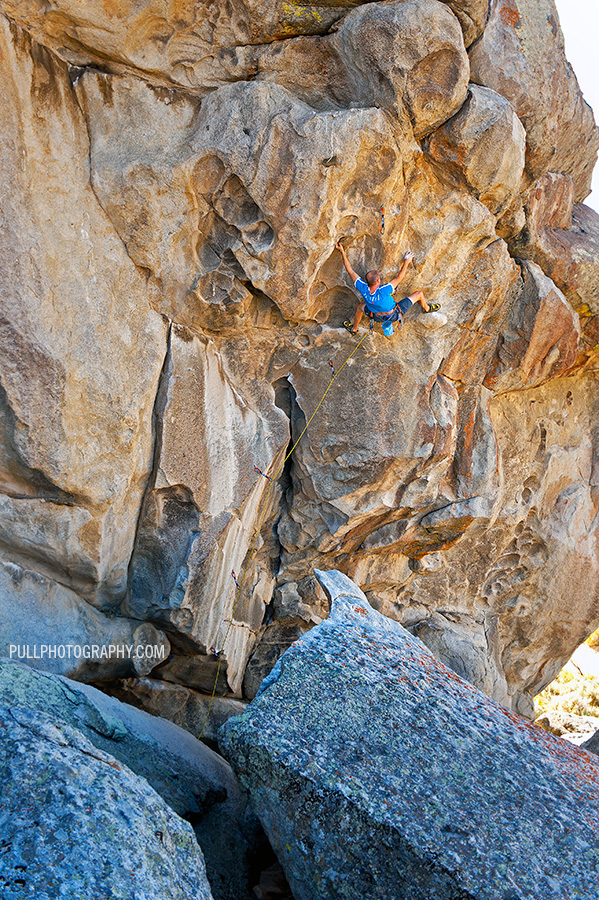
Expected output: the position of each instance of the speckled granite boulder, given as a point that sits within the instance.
(379, 773)
(592, 745)
(76, 823)
(188, 775)
(192, 779)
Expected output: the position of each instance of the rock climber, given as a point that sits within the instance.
(377, 299)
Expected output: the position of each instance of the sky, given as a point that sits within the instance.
(580, 25)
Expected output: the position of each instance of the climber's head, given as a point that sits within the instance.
(373, 279)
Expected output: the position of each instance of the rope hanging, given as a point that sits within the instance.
(239, 582)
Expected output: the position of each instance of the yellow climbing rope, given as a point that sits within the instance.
(271, 481)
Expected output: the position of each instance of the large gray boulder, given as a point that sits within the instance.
(196, 783)
(592, 745)
(378, 772)
(75, 822)
(55, 630)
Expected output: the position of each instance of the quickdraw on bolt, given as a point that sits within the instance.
(382, 213)
(260, 472)
(216, 653)
(234, 577)
(332, 367)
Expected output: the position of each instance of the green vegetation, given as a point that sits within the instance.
(574, 690)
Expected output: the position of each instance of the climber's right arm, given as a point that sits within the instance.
(353, 275)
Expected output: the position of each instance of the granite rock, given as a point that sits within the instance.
(187, 170)
(180, 775)
(563, 238)
(192, 710)
(78, 336)
(472, 15)
(521, 56)
(407, 57)
(175, 43)
(387, 775)
(541, 339)
(77, 822)
(483, 144)
(592, 744)
(54, 629)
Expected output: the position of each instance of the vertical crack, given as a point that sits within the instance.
(285, 399)
(157, 429)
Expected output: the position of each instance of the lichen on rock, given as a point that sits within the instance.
(378, 772)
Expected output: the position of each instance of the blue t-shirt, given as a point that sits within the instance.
(381, 301)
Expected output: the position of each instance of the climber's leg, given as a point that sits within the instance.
(418, 297)
(358, 315)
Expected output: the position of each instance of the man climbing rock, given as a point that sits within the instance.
(378, 301)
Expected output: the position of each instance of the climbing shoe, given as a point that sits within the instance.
(433, 307)
(349, 326)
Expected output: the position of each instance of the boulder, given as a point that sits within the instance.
(387, 775)
(186, 774)
(272, 644)
(472, 15)
(197, 713)
(579, 729)
(563, 239)
(52, 628)
(77, 822)
(175, 770)
(407, 57)
(521, 56)
(484, 145)
(541, 340)
(592, 744)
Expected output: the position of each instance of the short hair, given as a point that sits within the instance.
(372, 277)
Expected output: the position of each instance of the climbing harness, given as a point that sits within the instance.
(239, 582)
(395, 315)
(386, 319)
(382, 214)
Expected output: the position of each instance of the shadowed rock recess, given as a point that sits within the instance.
(176, 176)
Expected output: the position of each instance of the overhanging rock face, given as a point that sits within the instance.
(379, 773)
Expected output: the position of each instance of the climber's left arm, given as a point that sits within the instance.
(407, 259)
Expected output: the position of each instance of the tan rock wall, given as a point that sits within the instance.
(82, 348)
(173, 300)
(521, 56)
